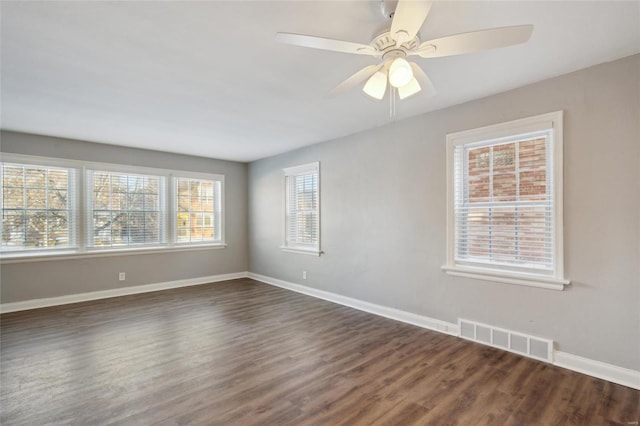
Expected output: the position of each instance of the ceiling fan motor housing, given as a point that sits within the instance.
(388, 8)
(384, 43)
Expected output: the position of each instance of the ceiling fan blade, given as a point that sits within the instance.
(423, 78)
(475, 41)
(408, 18)
(326, 44)
(355, 79)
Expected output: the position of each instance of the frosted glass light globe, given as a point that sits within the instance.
(400, 72)
(376, 85)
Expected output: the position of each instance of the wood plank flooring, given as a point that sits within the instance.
(242, 353)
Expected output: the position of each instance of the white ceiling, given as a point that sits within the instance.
(208, 78)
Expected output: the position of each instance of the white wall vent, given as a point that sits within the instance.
(523, 344)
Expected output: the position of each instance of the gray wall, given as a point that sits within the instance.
(383, 216)
(33, 280)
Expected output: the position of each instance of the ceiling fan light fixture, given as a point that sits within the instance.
(400, 72)
(400, 41)
(376, 86)
(409, 89)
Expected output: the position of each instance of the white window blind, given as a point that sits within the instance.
(302, 210)
(198, 210)
(504, 202)
(37, 207)
(125, 209)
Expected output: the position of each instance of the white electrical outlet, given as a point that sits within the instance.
(304, 275)
(121, 276)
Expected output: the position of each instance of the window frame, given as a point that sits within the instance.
(75, 236)
(304, 169)
(174, 200)
(83, 211)
(162, 205)
(553, 279)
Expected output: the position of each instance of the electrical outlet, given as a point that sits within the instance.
(304, 275)
(121, 276)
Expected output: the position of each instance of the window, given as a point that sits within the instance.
(302, 209)
(198, 210)
(37, 207)
(124, 208)
(505, 202)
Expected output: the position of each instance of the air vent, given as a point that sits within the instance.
(523, 344)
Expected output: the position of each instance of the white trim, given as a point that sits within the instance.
(602, 370)
(116, 292)
(68, 254)
(82, 221)
(223, 209)
(34, 160)
(372, 308)
(308, 251)
(505, 130)
(302, 169)
(558, 191)
(196, 175)
(506, 277)
(99, 166)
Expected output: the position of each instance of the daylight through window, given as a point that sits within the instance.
(302, 209)
(37, 208)
(125, 209)
(504, 206)
(66, 207)
(505, 201)
(198, 210)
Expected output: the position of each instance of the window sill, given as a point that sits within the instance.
(6, 258)
(530, 280)
(307, 251)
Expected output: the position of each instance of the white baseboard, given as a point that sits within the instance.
(384, 311)
(122, 291)
(601, 370)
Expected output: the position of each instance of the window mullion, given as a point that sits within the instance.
(490, 230)
(80, 205)
(111, 210)
(24, 203)
(516, 221)
(171, 207)
(550, 199)
(46, 208)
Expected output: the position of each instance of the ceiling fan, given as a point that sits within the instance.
(401, 41)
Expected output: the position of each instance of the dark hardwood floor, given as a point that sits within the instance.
(242, 352)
